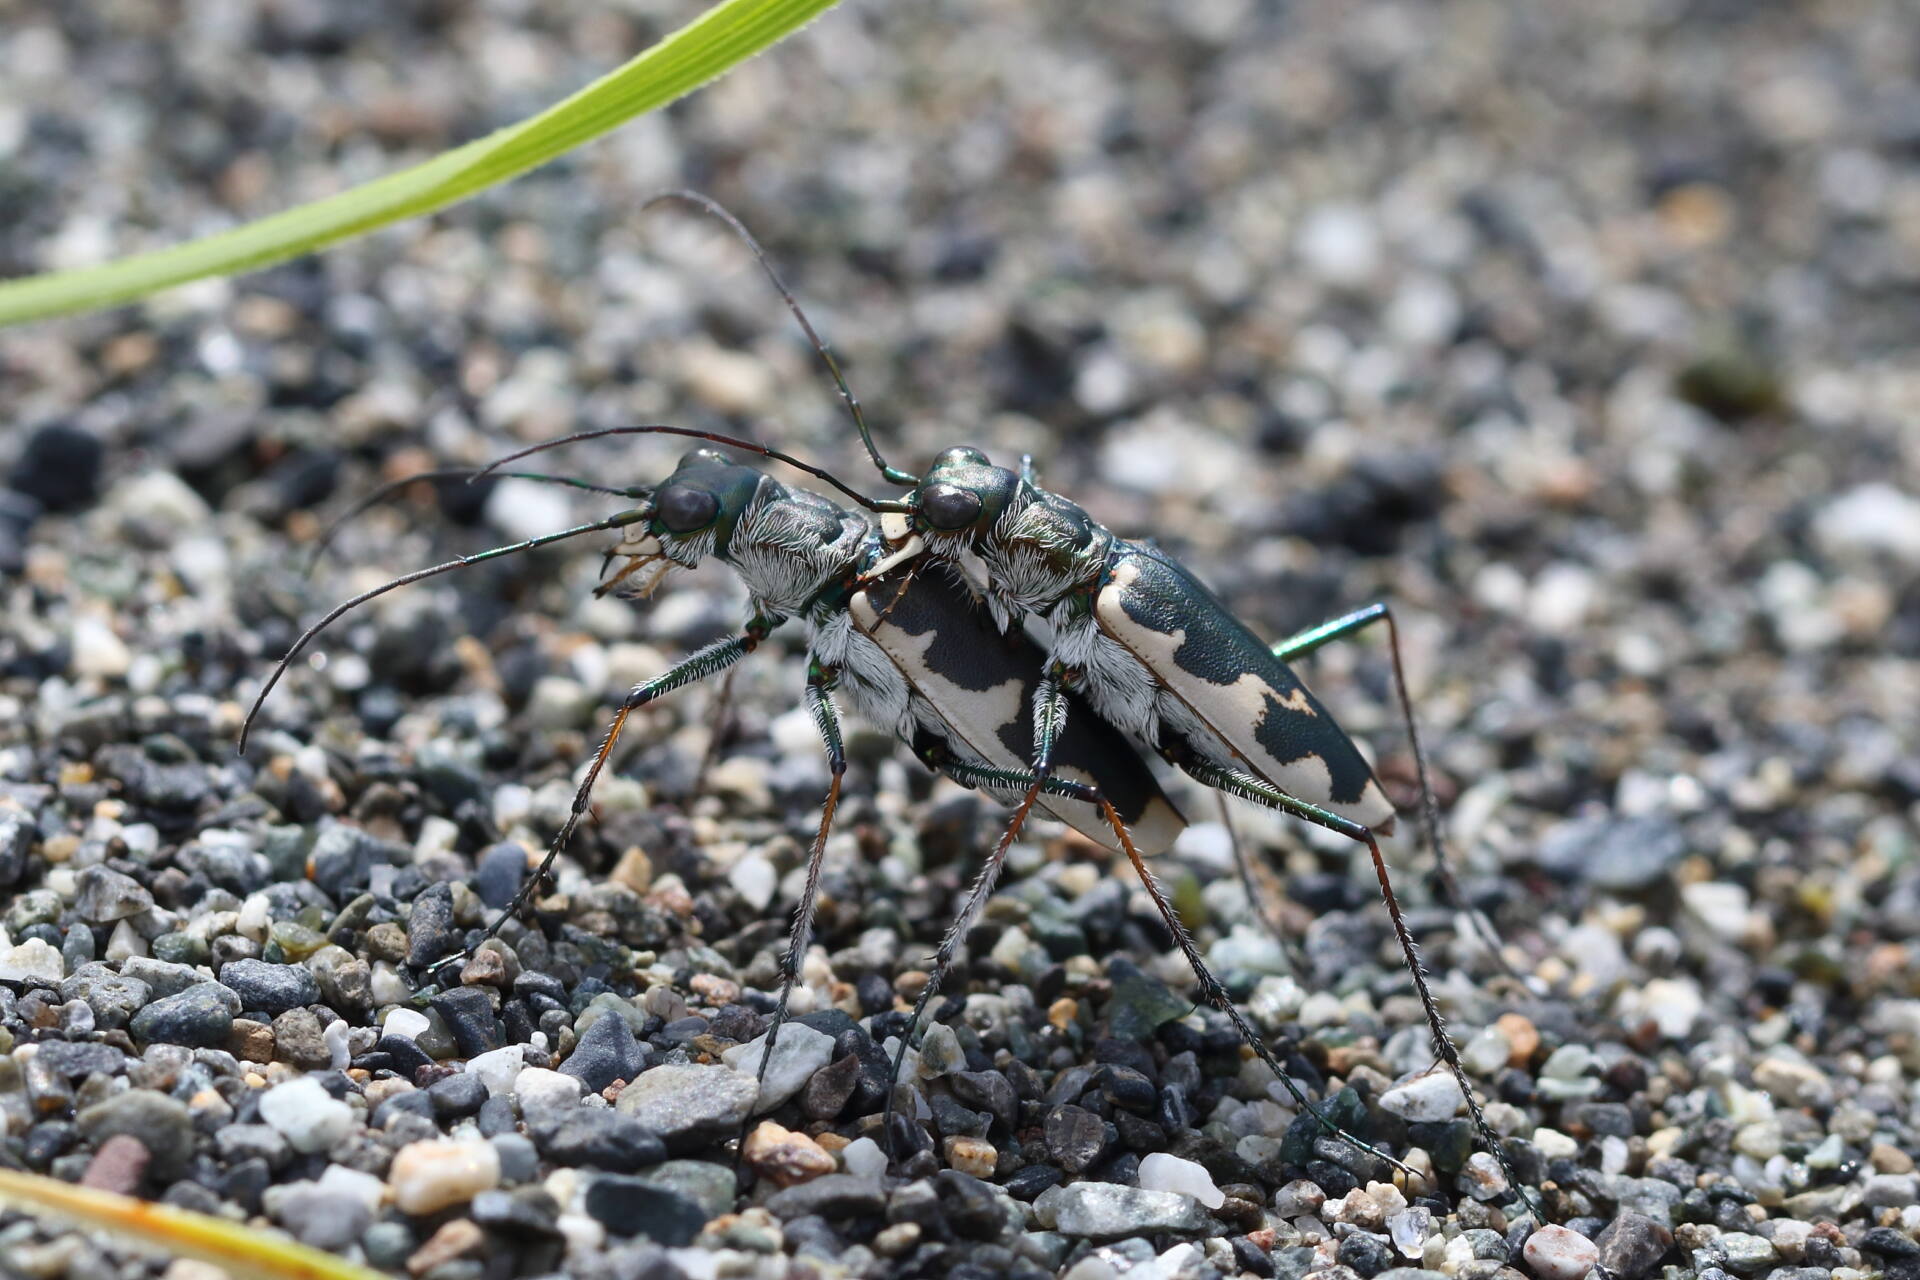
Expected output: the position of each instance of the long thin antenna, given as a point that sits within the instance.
(391, 487)
(732, 442)
(891, 474)
(617, 520)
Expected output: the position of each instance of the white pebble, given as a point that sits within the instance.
(1162, 1172)
(1873, 517)
(1487, 1052)
(97, 651)
(581, 1232)
(1322, 1009)
(537, 1089)
(1430, 1098)
(1559, 1253)
(755, 880)
(406, 1023)
(307, 1116)
(1250, 949)
(1340, 244)
(863, 1158)
(158, 502)
(364, 1187)
(940, 1051)
(800, 1052)
(1555, 1145)
(256, 917)
(498, 1069)
(428, 1176)
(335, 1039)
(1568, 1062)
(523, 509)
(1409, 1229)
(34, 959)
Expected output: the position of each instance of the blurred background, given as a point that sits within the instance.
(1583, 333)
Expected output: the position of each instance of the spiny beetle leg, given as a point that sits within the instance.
(1338, 628)
(983, 886)
(1040, 780)
(950, 943)
(1252, 788)
(820, 686)
(1216, 995)
(704, 662)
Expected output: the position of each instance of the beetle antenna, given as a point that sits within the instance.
(891, 474)
(732, 442)
(617, 520)
(324, 542)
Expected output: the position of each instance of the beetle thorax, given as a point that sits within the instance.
(1039, 552)
(788, 550)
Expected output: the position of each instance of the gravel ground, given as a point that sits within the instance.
(1584, 333)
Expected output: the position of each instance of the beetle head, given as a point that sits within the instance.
(691, 515)
(963, 495)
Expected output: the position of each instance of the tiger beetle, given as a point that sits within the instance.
(912, 647)
(1157, 654)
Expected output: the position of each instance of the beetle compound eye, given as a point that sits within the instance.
(684, 509)
(949, 507)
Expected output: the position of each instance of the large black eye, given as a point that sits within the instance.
(948, 506)
(685, 509)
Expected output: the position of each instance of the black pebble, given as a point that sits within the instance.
(971, 1209)
(604, 1140)
(1075, 1137)
(1128, 1088)
(416, 1102)
(430, 930)
(496, 1117)
(605, 1053)
(627, 1206)
(405, 1056)
(59, 468)
(457, 1097)
(1032, 1180)
(1251, 1256)
(875, 994)
(1366, 1253)
(501, 871)
(469, 1015)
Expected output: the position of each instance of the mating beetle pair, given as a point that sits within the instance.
(1140, 650)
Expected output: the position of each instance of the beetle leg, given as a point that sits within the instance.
(956, 932)
(717, 656)
(1216, 995)
(821, 682)
(1314, 637)
(1252, 788)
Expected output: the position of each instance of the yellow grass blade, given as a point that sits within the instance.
(247, 1253)
(729, 33)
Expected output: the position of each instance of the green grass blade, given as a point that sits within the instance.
(245, 1251)
(730, 32)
